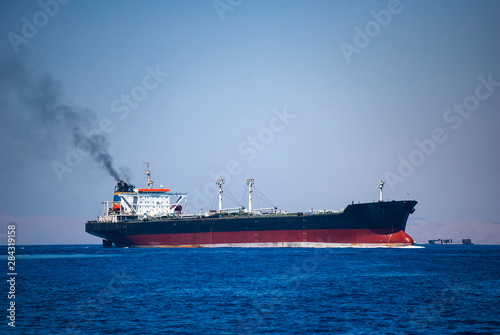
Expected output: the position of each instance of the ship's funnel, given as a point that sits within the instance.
(122, 186)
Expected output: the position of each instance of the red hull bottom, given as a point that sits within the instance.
(274, 238)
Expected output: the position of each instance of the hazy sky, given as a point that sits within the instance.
(317, 101)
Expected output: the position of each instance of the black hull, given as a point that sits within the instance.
(368, 223)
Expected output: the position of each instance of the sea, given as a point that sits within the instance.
(88, 289)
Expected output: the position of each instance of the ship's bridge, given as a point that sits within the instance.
(153, 202)
(131, 203)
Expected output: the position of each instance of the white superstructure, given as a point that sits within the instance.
(131, 203)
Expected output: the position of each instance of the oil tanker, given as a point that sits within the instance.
(154, 217)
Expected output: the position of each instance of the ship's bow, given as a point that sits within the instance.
(384, 222)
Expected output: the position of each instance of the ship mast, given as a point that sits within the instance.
(250, 184)
(148, 173)
(220, 182)
(381, 186)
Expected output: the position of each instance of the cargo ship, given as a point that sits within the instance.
(154, 217)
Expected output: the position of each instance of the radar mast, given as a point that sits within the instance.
(381, 186)
(148, 173)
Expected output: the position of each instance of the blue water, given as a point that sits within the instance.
(91, 290)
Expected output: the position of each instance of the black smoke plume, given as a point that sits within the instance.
(34, 108)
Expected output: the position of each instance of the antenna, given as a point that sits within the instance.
(250, 184)
(381, 186)
(220, 182)
(148, 173)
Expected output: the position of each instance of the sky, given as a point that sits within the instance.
(317, 101)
